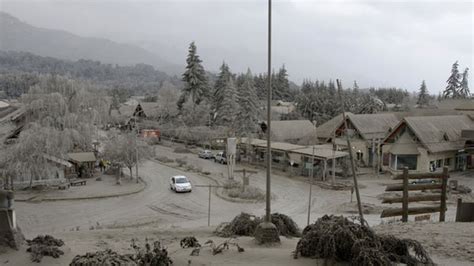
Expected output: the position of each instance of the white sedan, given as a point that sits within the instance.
(180, 183)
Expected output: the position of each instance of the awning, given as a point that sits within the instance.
(404, 149)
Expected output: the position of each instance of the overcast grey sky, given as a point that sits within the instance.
(377, 43)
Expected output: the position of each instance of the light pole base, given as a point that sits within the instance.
(267, 233)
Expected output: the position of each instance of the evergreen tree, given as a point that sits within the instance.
(423, 96)
(195, 79)
(464, 90)
(452, 90)
(247, 115)
(227, 108)
(307, 86)
(220, 86)
(281, 85)
(332, 89)
(260, 84)
(355, 87)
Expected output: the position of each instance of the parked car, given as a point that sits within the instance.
(220, 157)
(206, 154)
(180, 183)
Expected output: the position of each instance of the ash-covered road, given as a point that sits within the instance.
(157, 205)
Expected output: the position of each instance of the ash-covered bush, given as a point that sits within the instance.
(341, 239)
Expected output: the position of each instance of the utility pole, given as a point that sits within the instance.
(334, 157)
(136, 148)
(379, 156)
(269, 115)
(356, 186)
(311, 176)
(373, 155)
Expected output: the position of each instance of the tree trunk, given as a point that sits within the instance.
(119, 175)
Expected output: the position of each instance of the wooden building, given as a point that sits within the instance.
(84, 163)
(427, 143)
(367, 132)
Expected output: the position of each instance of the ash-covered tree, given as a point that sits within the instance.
(60, 116)
(260, 83)
(423, 96)
(355, 87)
(281, 85)
(167, 97)
(248, 112)
(196, 85)
(29, 158)
(219, 88)
(226, 110)
(121, 150)
(464, 87)
(15, 84)
(370, 104)
(452, 90)
(307, 86)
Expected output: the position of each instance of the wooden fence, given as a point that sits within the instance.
(441, 181)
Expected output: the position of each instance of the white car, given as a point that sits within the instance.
(180, 183)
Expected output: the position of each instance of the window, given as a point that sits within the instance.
(439, 163)
(386, 159)
(409, 161)
(447, 161)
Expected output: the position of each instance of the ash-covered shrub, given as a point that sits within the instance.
(46, 245)
(243, 224)
(189, 242)
(164, 159)
(341, 239)
(285, 225)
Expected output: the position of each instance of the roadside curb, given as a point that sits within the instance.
(34, 199)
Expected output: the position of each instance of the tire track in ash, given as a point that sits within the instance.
(170, 213)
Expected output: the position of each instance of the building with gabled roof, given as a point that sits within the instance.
(427, 143)
(365, 130)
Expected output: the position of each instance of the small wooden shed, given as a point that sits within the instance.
(84, 163)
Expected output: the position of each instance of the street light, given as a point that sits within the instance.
(267, 232)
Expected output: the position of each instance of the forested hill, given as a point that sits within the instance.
(137, 79)
(19, 36)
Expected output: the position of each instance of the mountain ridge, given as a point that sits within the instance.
(20, 36)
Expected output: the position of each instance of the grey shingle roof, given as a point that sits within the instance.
(291, 129)
(440, 133)
(81, 157)
(373, 126)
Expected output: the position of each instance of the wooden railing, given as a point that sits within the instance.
(404, 211)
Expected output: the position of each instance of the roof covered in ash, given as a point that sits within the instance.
(374, 126)
(466, 106)
(321, 152)
(292, 130)
(440, 133)
(283, 146)
(82, 157)
(326, 130)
